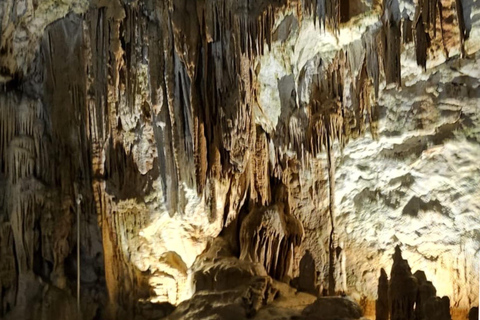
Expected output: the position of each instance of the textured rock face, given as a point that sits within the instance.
(418, 185)
(186, 147)
(409, 296)
(270, 237)
(332, 308)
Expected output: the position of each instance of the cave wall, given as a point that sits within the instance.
(47, 181)
(165, 124)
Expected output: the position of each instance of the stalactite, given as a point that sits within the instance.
(355, 54)
(317, 133)
(332, 245)
(363, 111)
(311, 7)
(21, 158)
(451, 27)
(7, 125)
(269, 235)
(326, 12)
(78, 208)
(8, 271)
(421, 42)
(22, 220)
(439, 27)
(326, 123)
(429, 14)
(461, 25)
(201, 162)
(296, 129)
(391, 42)
(261, 176)
(372, 59)
(407, 30)
(332, 14)
(31, 178)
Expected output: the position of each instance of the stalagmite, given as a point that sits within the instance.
(473, 314)
(307, 279)
(403, 288)
(381, 306)
(409, 297)
(437, 308)
(426, 290)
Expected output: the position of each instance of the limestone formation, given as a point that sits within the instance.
(473, 314)
(326, 308)
(437, 308)
(409, 297)
(270, 236)
(381, 307)
(402, 289)
(426, 290)
(180, 157)
(225, 286)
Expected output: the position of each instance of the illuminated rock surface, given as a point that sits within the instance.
(194, 141)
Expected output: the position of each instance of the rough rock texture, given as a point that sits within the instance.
(408, 296)
(269, 236)
(401, 183)
(225, 287)
(332, 308)
(139, 131)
